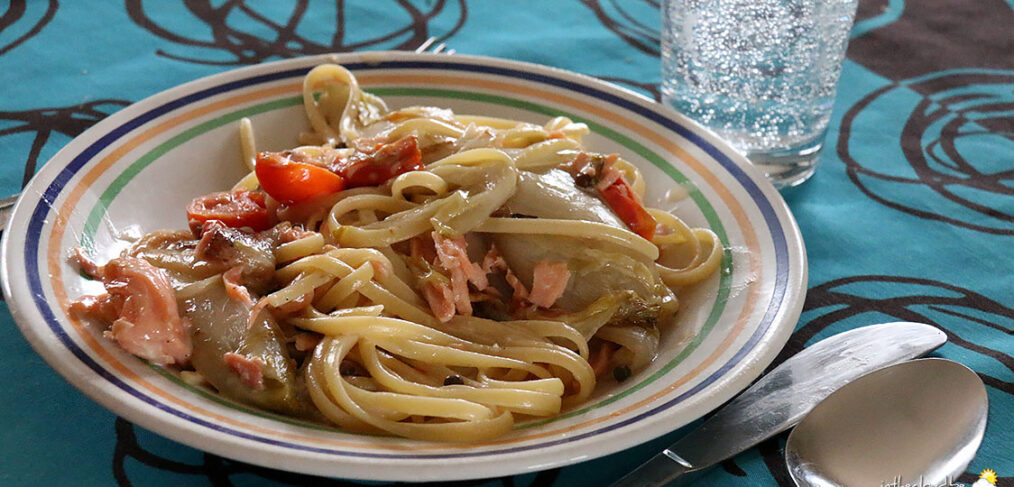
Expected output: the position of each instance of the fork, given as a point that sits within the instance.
(438, 49)
(6, 204)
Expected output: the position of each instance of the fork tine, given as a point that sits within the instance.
(426, 44)
(439, 48)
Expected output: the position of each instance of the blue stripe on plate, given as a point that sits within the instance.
(44, 206)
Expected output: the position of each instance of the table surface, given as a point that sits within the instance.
(910, 215)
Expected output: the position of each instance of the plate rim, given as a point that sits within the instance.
(736, 379)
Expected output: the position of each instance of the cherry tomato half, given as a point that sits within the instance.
(622, 201)
(236, 209)
(294, 182)
(387, 161)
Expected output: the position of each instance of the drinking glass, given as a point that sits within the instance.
(762, 74)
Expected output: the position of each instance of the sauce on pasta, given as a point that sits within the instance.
(418, 272)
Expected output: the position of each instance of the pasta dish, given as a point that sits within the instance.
(414, 272)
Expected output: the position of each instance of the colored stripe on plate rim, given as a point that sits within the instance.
(106, 163)
(781, 275)
(97, 213)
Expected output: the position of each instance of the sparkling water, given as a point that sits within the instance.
(761, 73)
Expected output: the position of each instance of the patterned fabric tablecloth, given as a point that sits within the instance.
(910, 215)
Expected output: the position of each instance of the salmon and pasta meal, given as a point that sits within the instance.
(414, 272)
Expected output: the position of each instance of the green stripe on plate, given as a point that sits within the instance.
(99, 210)
(97, 213)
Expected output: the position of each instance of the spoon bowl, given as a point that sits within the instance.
(917, 422)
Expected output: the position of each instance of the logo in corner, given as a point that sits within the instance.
(986, 479)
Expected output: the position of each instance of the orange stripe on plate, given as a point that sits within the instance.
(55, 261)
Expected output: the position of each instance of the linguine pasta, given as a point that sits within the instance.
(417, 272)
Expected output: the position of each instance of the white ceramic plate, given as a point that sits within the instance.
(135, 171)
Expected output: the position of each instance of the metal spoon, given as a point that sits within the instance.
(784, 396)
(916, 423)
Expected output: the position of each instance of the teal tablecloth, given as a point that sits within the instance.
(909, 217)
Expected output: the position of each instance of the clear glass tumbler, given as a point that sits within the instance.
(760, 73)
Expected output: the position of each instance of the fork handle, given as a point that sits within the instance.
(5, 209)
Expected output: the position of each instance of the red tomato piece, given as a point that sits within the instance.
(622, 201)
(387, 161)
(294, 182)
(235, 209)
